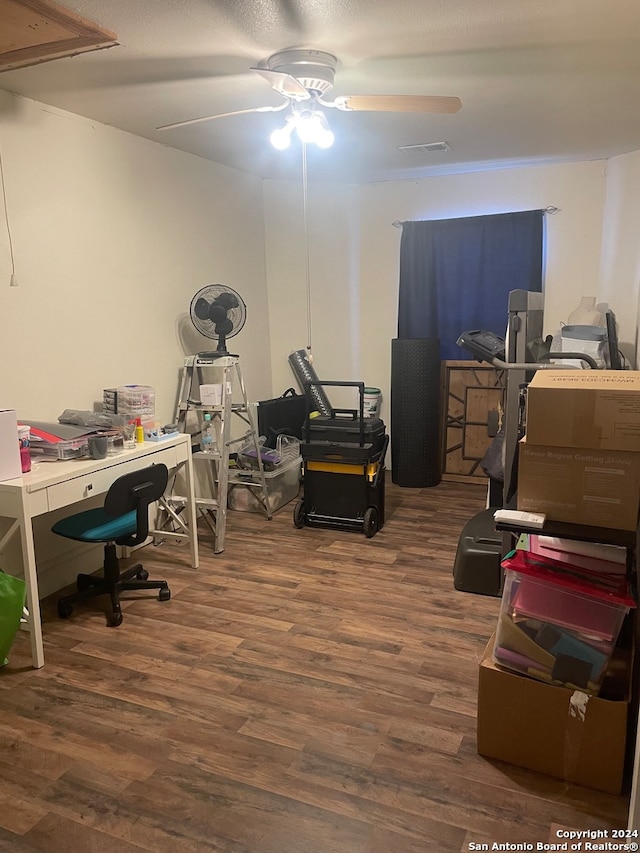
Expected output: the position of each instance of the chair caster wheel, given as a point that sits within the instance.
(114, 619)
(164, 595)
(142, 575)
(64, 609)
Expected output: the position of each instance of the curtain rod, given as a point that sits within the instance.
(551, 210)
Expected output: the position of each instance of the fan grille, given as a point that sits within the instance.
(218, 312)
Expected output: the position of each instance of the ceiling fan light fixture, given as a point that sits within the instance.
(325, 139)
(324, 135)
(311, 126)
(281, 136)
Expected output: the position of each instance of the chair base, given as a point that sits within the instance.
(112, 583)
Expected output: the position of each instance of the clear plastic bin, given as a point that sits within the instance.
(287, 448)
(74, 448)
(283, 485)
(558, 625)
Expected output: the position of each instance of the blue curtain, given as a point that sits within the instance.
(456, 274)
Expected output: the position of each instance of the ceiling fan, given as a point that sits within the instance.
(305, 77)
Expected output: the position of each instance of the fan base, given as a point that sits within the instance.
(314, 69)
(217, 354)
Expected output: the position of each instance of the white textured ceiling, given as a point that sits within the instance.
(539, 80)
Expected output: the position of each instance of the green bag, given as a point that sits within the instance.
(13, 592)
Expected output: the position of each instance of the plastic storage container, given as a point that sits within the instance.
(73, 448)
(110, 400)
(136, 401)
(283, 485)
(557, 623)
(115, 443)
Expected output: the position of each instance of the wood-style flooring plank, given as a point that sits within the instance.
(306, 691)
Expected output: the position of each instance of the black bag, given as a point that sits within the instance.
(283, 415)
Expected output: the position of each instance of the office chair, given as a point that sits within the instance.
(123, 520)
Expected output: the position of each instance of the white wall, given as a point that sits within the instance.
(335, 279)
(620, 274)
(112, 236)
(354, 256)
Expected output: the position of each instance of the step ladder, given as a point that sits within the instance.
(223, 371)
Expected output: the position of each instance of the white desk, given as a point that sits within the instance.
(53, 485)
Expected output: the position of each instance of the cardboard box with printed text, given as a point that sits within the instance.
(579, 486)
(585, 408)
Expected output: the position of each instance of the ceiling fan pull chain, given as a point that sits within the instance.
(306, 241)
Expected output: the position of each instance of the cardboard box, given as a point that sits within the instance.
(554, 730)
(585, 408)
(9, 447)
(580, 486)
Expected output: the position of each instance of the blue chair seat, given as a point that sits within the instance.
(95, 525)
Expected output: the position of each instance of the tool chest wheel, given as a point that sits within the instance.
(298, 514)
(370, 522)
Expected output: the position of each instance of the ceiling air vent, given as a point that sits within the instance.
(427, 147)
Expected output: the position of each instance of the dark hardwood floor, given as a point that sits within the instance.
(306, 691)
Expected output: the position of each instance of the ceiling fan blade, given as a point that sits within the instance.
(222, 115)
(284, 83)
(399, 103)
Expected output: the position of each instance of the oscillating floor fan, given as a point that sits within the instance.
(218, 312)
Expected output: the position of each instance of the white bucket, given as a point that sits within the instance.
(372, 400)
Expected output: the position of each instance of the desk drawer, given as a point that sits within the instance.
(87, 485)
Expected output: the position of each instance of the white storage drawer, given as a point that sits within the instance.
(87, 485)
